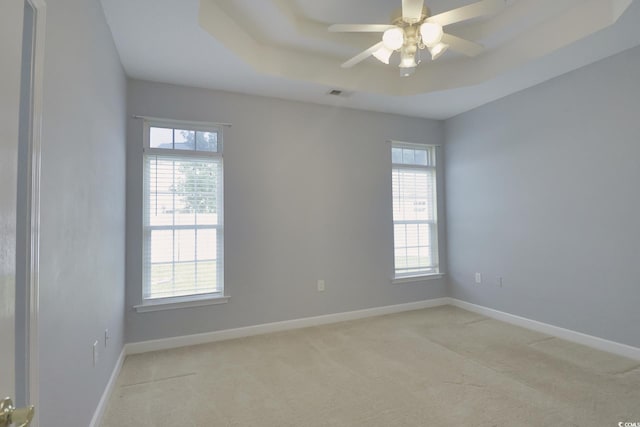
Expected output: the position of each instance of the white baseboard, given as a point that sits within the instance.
(556, 331)
(208, 337)
(104, 400)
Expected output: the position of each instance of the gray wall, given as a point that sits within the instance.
(307, 197)
(543, 190)
(83, 209)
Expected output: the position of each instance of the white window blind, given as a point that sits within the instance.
(415, 228)
(183, 221)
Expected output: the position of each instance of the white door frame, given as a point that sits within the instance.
(31, 232)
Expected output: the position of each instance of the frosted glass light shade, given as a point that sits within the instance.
(393, 38)
(383, 54)
(407, 60)
(431, 33)
(438, 50)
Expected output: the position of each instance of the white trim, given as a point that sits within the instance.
(414, 144)
(408, 166)
(556, 331)
(104, 400)
(176, 303)
(208, 337)
(173, 153)
(415, 279)
(35, 149)
(159, 120)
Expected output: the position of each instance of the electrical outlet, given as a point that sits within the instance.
(320, 285)
(478, 278)
(107, 336)
(95, 353)
(500, 281)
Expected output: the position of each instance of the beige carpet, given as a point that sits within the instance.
(435, 367)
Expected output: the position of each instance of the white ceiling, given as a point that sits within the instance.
(281, 48)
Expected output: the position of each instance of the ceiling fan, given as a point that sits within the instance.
(413, 29)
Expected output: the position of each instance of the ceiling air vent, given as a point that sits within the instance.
(339, 92)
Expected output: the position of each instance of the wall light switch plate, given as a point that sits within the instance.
(478, 278)
(320, 285)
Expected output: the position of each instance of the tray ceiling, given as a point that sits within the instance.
(282, 48)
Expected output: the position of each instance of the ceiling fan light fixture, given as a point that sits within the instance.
(383, 54)
(393, 38)
(414, 30)
(438, 50)
(407, 59)
(406, 72)
(431, 33)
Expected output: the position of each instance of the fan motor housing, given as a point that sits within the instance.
(396, 17)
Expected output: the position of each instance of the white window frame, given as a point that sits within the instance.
(436, 272)
(195, 300)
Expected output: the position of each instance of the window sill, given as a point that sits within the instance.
(181, 302)
(414, 279)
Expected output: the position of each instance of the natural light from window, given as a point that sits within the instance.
(415, 228)
(183, 227)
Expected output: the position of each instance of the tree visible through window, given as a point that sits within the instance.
(196, 185)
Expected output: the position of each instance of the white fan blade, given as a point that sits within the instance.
(412, 10)
(357, 28)
(362, 56)
(481, 8)
(463, 46)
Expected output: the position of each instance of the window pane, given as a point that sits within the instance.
(412, 235)
(161, 246)
(400, 233)
(207, 277)
(160, 138)
(425, 256)
(161, 199)
(207, 245)
(401, 259)
(396, 155)
(407, 156)
(182, 199)
(414, 211)
(413, 258)
(420, 157)
(413, 194)
(184, 139)
(424, 231)
(185, 245)
(161, 280)
(161, 209)
(183, 192)
(184, 278)
(207, 141)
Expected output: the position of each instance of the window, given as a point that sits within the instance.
(415, 225)
(183, 213)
